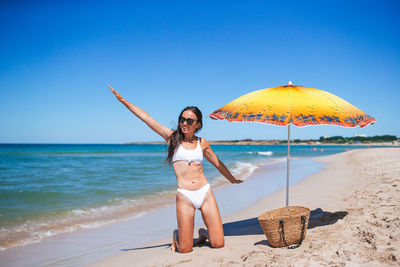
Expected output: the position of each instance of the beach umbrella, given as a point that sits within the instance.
(292, 104)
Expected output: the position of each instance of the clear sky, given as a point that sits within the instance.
(56, 59)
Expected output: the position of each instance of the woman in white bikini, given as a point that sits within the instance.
(185, 153)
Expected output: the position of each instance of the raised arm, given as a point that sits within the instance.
(165, 132)
(214, 160)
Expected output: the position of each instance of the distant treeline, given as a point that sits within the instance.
(350, 140)
(322, 140)
(358, 139)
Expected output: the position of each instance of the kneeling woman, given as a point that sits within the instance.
(185, 153)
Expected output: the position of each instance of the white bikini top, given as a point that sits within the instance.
(188, 155)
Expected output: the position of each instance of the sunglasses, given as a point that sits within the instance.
(188, 120)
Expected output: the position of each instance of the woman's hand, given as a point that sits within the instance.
(237, 181)
(165, 132)
(119, 97)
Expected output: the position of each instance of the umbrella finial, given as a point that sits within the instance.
(290, 83)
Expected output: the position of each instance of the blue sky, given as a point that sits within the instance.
(57, 58)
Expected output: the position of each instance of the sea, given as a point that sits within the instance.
(50, 189)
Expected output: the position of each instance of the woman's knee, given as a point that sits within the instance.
(218, 243)
(185, 249)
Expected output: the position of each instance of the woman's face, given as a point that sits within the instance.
(188, 117)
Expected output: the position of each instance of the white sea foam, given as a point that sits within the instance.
(264, 153)
(48, 233)
(243, 170)
(78, 212)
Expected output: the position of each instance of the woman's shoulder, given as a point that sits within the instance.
(203, 141)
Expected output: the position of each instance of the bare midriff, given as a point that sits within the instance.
(189, 175)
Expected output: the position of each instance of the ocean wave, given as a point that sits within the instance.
(264, 153)
(243, 170)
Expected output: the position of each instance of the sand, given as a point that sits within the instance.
(355, 221)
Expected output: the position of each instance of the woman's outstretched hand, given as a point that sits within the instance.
(237, 181)
(119, 97)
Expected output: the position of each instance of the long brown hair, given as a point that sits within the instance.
(177, 136)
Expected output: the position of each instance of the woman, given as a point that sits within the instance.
(185, 153)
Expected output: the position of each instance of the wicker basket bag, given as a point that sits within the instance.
(285, 226)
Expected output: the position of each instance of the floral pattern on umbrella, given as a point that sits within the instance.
(292, 104)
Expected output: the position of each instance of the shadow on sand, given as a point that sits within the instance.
(318, 218)
(148, 247)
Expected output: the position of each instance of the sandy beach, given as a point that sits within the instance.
(355, 221)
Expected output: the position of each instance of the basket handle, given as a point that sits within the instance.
(303, 222)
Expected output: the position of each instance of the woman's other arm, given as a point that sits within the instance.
(214, 160)
(165, 132)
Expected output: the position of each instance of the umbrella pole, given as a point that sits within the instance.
(287, 167)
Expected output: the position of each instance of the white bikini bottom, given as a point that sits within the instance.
(195, 196)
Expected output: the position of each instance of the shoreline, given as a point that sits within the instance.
(354, 202)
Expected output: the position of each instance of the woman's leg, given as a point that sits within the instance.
(185, 217)
(212, 219)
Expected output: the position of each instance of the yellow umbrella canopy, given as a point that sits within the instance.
(292, 104)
